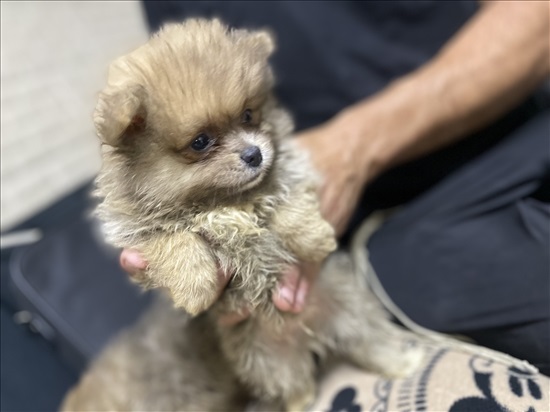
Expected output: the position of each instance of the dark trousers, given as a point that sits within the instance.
(471, 254)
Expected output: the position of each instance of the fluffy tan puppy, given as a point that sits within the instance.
(199, 171)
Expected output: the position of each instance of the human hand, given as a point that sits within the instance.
(338, 153)
(290, 295)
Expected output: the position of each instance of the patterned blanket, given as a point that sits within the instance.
(448, 381)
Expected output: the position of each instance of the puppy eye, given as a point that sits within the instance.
(247, 116)
(201, 142)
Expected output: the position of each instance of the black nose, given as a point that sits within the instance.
(252, 156)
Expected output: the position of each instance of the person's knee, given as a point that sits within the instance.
(528, 341)
(452, 277)
(412, 269)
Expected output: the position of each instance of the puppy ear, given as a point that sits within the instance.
(264, 42)
(261, 41)
(120, 111)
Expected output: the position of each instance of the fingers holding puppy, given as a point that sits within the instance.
(133, 263)
(293, 288)
(290, 295)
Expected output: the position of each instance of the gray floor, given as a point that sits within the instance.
(54, 61)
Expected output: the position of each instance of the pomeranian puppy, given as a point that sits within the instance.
(200, 173)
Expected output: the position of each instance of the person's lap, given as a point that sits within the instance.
(471, 254)
(468, 254)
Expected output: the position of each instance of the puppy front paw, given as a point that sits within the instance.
(183, 264)
(191, 289)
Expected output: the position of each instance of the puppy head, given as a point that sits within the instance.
(186, 113)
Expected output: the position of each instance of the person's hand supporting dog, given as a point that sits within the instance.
(494, 62)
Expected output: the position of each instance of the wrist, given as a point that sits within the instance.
(383, 128)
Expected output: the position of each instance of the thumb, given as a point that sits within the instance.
(292, 290)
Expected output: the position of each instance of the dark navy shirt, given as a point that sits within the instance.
(331, 54)
(469, 251)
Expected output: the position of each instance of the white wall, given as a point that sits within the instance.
(54, 61)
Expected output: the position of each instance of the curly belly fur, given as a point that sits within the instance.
(170, 361)
(274, 355)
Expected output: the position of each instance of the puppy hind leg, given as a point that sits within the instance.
(285, 376)
(382, 353)
(301, 401)
(298, 402)
(292, 382)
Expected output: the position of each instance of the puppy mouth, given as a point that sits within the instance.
(254, 180)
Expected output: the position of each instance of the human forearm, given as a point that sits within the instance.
(487, 68)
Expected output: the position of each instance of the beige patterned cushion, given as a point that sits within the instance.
(448, 381)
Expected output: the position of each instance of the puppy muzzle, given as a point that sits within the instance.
(252, 156)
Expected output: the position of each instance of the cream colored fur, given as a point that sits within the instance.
(170, 361)
(189, 212)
